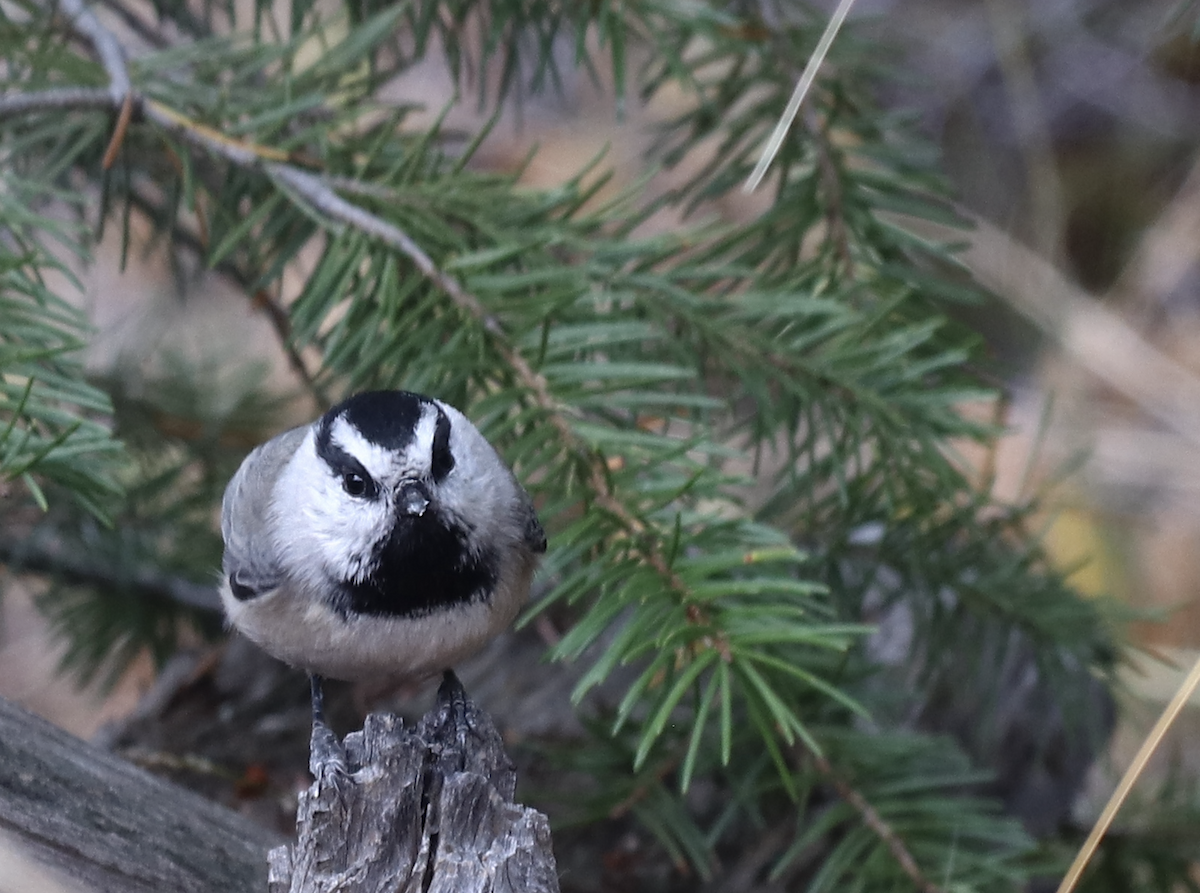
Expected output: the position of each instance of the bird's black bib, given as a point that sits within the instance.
(424, 566)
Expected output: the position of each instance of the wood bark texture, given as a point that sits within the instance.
(424, 810)
(112, 827)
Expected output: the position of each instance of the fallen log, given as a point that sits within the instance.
(106, 825)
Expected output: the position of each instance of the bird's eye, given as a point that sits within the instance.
(354, 484)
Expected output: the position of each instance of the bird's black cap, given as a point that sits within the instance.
(386, 418)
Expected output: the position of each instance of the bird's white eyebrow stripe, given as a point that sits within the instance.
(375, 459)
(379, 461)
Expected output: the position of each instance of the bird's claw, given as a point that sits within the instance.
(454, 696)
(325, 752)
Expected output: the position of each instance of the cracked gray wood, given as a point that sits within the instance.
(112, 827)
(413, 810)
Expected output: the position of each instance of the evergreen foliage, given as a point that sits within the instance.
(644, 384)
(53, 423)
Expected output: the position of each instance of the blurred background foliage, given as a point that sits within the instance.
(854, 484)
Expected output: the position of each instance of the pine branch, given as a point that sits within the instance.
(876, 823)
(629, 380)
(84, 99)
(53, 425)
(315, 190)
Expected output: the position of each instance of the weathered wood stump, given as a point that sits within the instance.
(416, 810)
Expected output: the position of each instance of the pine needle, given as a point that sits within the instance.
(793, 107)
(1131, 776)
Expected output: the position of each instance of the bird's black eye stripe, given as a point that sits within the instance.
(442, 460)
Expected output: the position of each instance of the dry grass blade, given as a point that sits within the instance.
(802, 87)
(1130, 778)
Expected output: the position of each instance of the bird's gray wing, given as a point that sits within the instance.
(535, 536)
(250, 564)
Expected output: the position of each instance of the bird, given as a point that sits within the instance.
(384, 542)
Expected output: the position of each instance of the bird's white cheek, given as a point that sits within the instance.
(334, 540)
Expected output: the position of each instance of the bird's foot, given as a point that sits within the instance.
(454, 696)
(325, 752)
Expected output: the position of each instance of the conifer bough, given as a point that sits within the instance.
(651, 386)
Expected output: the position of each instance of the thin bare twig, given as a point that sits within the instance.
(315, 190)
(282, 323)
(111, 54)
(76, 98)
(873, 820)
(46, 555)
(239, 152)
(835, 216)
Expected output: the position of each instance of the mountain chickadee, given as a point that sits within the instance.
(386, 541)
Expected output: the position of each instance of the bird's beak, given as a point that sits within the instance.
(412, 499)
